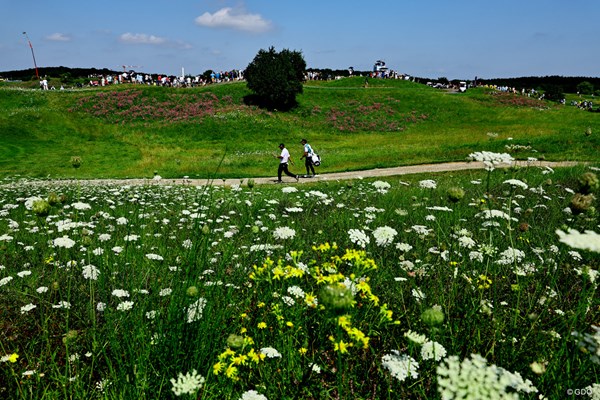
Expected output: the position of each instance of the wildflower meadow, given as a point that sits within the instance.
(469, 285)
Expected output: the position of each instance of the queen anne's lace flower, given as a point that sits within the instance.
(90, 272)
(381, 186)
(194, 311)
(415, 337)
(433, 350)
(473, 379)
(64, 242)
(187, 384)
(253, 395)
(270, 352)
(588, 240)
(359, 237)
(283, 233)
(590, 343)
(384, 236)
(516, 183)
(428, 184)
(490, 159)
(400, 365)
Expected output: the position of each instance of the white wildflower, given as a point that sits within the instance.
(270, 352)
(81, 206)
(27, 308)
(415, 337)
(516, 183)
(187, 384)
(359, 237)
(490, 159)
(283, 233)
(252, 395)
(588, 240)
(384, 235)
(125, 306)
(400, 366)
(194, 311)
(428, 184)
(120, 293)
(90, 272)
(64, 242)
(433, 350)
(404, 247)
(473, 379)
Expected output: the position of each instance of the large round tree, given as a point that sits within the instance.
(276, 78)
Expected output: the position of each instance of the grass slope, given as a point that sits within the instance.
(132, 131)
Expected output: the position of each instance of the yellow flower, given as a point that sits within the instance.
(358, 336)
(261, 325)
(302, 350)
(232, 372)
(484, 282)
(255, 357)
(227, 353)
(218, 368)
(310, 300)
(342, 346)
(385, 313)
(344, 321)
(13, 358)
(239, 360)
(278, 272)
(261, 304)
(290, 324)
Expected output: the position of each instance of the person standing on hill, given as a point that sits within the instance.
(308, 163)
(284, 159)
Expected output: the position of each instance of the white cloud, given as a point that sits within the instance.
(58, 37)
(229, 18)
(142, 38)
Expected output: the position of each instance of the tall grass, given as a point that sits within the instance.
(380, 289)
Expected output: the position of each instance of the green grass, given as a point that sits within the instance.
(390, 123)
(262, 268)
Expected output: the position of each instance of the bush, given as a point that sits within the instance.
(585, 87)
(276, 78)
(553, 92)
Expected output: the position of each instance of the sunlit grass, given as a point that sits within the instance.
(119, 130)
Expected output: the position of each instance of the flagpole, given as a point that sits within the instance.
(33, 55)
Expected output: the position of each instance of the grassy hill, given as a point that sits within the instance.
(134, 131)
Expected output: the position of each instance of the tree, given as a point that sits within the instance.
(585, 87)
(276, 78)
(553, 92)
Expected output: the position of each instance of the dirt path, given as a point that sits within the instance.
(372, 173)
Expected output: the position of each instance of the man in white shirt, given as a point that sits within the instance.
(284, 158)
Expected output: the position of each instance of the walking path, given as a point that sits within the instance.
(372, 173)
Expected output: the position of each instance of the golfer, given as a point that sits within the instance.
(307, 155)
(284, 158)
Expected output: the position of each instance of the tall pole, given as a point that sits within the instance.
(33, 55)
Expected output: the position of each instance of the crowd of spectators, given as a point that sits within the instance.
(137, 78)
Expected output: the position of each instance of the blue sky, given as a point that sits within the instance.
(457, 39)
